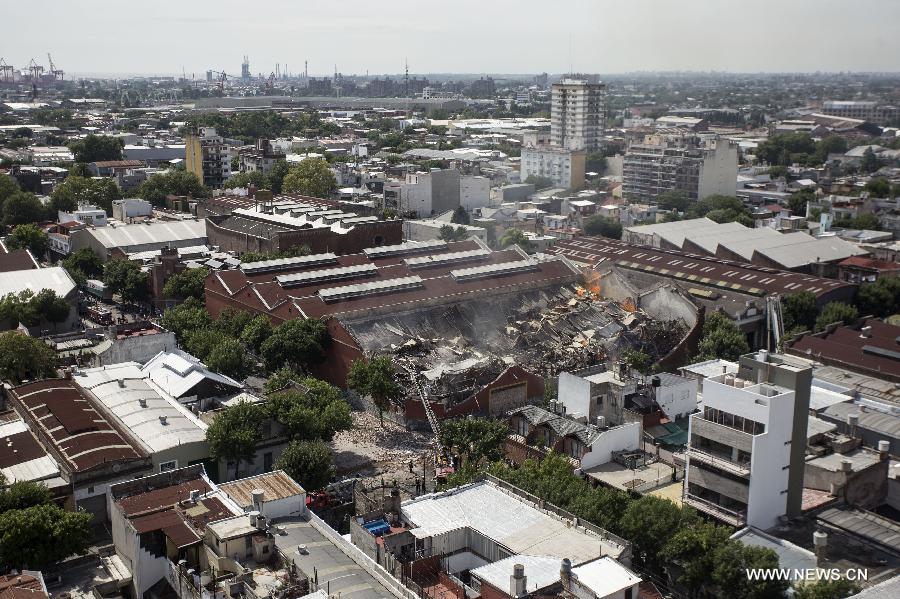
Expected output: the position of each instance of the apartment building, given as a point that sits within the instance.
(577, 112)
(208, 156)
(564, 167)
(663, 163)
(746, 448)
(437, 191)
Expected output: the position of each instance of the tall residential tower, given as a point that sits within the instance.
(578, 109)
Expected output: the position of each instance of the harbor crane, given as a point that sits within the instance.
(58, 74)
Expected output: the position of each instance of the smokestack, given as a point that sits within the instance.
(852, 421)
(820, 545)
(884, 449)
(846, 466)
(517, 581)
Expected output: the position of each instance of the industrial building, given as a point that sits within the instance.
(662, 163)
(869, 348)
(117, 241)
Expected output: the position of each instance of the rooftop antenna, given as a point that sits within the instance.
(571, 68)
(406, 78)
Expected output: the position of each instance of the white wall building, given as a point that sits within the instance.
(564, 167)
(129, 208)
(577, 113)
(85, 214)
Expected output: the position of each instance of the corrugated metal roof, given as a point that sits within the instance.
(145, 234)
(54, 278)
(274, 485)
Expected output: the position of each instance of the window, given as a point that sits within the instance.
(248, 541)
(91, 490)
(166, 466)
(628, 593)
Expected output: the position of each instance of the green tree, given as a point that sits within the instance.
(539, 182)
(256, 332)
(8, 186)
(881, 298)
(673, 200)
(460, 216)
(311, 177)
(732, 560)
(869, 162)
(475, 439)
(84, 260)
(448, 233)
(826, 589)
(48, 305)
(74, 191)
(595, 163)
(201, 342)
(879, 187)
(313, 410)
(515, 237)
(375, 378)
(799, 311)
(648, 522)
(693, 548)
(310, 463)
(247, 178)
(127, 279)
(601, 225)
(25, 358)
(721, 209)
(235, 432)
(186, 318)
(276, 176)
(721, 339)
(187, 283)
(228, 357)
(30, 237)
(22, 208)
(174, 182)
(95, 148)
(42, 535)
(295, 343)
(21, 495)
(638, 360)
(836, 312)
(798, 201)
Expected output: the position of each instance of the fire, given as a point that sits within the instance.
(592, 282)
(628, 305)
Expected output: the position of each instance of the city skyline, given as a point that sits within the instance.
(498, 37)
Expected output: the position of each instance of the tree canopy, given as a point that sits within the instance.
(881, 298)
(721, 339)
(475, 439)
(311, 177)
(310, 463)
(448, 233)
(25, 358)
(186, 284)
(722, 209)
(460, 216)
(799, 312)
(235, 432)
(29, 237)
(41, 535)
(95, 148)
(186, 318)
(515, 237)
(836, 312)
(127, 279)
(173, 182)
(296, 343)
(603, 226)
(72, 192)
(22, 208)
(375, 378)
(314, 410)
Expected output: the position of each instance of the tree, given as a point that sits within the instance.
(186, 318)
(228, 357)
(248, 178)
(515, 237)
(295, 343)
(799, 311)
(879, 187)
(42, 535)
(174, 182)
(673, 200)
(235, 432)
(95, 148)
(277, 174)
(8, 186)
(127, 279)
(311, 177)
(722, 209)
(826, 589)
(881, 298)
(637, 359)
(721, 339)
(836, 312)
(601, 225)
(869, 162)
(187, 283)
(649, 521)
(732, 559)
(30, 237)
(25, 358)
(375, 378)
(596, 163)
(798, 201)
(460, 216)
(448, 233)
(85, 261)
(313, 410)
(539, 182)
(74, 191)
(307, 462)
(22, 495)
(475, 438)
(48, 305)
(22, 208)
(693, 550)
(256, 332)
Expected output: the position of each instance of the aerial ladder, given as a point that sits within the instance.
(57, 73)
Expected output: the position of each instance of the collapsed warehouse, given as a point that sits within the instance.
(451, 354)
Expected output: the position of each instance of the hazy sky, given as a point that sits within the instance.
(462, 36)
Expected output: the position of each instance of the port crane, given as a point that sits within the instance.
(57, 73)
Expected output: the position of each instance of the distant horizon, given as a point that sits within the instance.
(471, 36)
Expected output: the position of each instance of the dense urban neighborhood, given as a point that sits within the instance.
(273, 335)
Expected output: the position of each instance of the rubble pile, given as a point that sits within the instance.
(449, 353)
(369, 448)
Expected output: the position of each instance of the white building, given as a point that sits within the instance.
(127, 209)
(577, 113)
(85, 214)
(564, 167)
(746, 449)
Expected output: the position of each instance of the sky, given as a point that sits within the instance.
(459, 36)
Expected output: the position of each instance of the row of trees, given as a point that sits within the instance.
(785, 149)
(800, 312)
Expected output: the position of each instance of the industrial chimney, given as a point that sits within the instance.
(517, 581)
(820, 545)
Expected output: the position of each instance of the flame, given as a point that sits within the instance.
(628, 305)
(592, 282)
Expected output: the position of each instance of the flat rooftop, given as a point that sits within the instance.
(507, 519)
(274, 485)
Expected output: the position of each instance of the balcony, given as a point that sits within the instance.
(734, 518)
(720, 461)
(721, 433)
